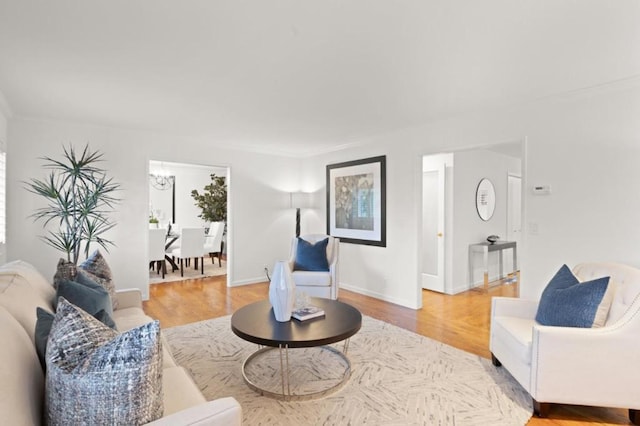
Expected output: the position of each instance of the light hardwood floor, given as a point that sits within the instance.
(461, 321)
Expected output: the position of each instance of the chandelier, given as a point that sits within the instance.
(161, 182)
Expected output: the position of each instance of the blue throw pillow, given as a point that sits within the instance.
(311, 257)
(85, 294)
(566, 302)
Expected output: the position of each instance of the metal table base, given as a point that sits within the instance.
(286, 394)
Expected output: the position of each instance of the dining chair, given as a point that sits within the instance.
(191, 244)
(156, 249)
(213, 242)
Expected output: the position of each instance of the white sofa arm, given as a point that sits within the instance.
(513, 307)
(129, 298)
(220, 412)
(584, 359)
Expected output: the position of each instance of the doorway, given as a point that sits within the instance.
(449, 221)
(434, 180)
(173, 207)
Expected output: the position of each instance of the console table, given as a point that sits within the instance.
(485, 248)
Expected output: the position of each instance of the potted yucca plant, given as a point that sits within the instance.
(79, 198)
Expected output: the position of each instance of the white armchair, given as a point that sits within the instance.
(566, 365)
(317, 283)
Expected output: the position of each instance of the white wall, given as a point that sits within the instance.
(586, 146)
(260, 225)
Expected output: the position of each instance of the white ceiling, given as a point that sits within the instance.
(299, 77)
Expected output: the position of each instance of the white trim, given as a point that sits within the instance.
(247, 281)
(402, 302)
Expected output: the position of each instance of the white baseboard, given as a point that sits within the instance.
(386, 298)
(248, 281)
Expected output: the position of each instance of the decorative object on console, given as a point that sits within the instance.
(282, 291)
(79, 197)
(356, 201)
(493, 238)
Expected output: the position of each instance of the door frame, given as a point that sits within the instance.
(522, 251)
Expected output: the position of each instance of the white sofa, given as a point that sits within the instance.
(565, 365)
(22, 290)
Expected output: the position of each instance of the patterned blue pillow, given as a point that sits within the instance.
(96, 375)
(566, 302)
(311, 257)
(43, 328)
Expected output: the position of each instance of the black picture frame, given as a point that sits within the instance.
(357, 201)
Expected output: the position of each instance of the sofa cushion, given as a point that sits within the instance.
(43, 328)
(98, 376)
(566, 302)
(97, 267)
(32, 275)
(310, 256)
(311, 279)
(21, 300)
(20, 374)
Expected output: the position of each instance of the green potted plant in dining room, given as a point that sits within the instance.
(213, 200)
(79, 198)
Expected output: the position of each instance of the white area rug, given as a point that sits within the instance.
(210, 270)
(398, 378)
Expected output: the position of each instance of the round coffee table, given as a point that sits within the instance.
(256, 323)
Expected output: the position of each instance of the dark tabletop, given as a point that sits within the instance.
(256, 323)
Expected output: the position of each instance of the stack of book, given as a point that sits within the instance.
(307, 313)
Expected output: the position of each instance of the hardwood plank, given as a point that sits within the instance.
(461, 321)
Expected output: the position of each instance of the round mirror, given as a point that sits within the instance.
(485, 199)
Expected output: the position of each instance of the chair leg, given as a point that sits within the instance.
(164, 269)
(195, 263)
(541, 409)
(181, 267)
(219, 254)
(634, 416)
(495, 361)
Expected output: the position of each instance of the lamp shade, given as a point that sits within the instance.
(299, 200)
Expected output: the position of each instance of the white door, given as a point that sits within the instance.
(514, 214)
(433, 211)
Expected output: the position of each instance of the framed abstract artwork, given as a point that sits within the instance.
(356, 201)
